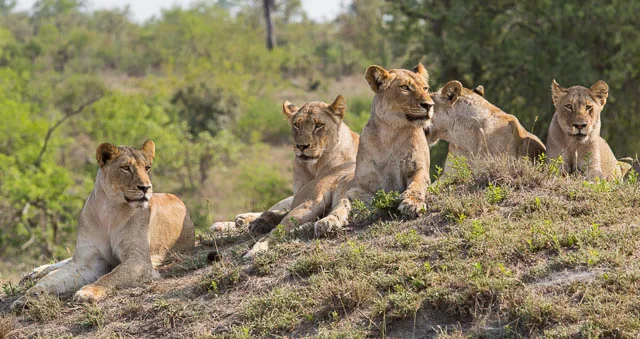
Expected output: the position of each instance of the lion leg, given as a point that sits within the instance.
(128, 273)
(413, 198)
(69, 277)
(43, 270)
(301, 214)
(267, 221)
(245, 219)
(335, 220)
(594, 166)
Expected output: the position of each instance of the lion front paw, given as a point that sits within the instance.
(222, 226)
(265, 223)
(259, 247)
(412, 207)
(90, 294)
(326, 224)
(245, 219)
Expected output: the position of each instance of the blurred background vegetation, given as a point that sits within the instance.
(203, 84)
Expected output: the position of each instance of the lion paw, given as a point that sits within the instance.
(245, 219)
(31, 294)
(259, 247)
(326, 224)
(411, 207)
(90, 294)
(265, 223)
(18, 304)
(222, 226)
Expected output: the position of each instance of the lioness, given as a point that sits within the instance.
(325, 150)
(124, 229)
(394, 154)
(473, 126)
(574, 133)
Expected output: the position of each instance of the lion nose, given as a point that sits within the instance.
(144, 188)
(580, 125)
(302, 147)
(426, 105)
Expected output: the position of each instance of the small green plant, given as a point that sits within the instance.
(279, 232)
(93, 317)
(213, 287)
(359, 210)
(599, 185)
(478, 231)
(10, 290)
(264, 262)
(632, 177)
(460, 169)
(385, 201)
(409, 239)
(556, 166)
(495, 194)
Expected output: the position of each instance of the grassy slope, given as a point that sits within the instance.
(507, 249)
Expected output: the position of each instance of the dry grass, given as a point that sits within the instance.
(7, 324)
(506, 250)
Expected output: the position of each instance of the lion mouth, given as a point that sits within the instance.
(144, 198)
(422, 117)
(307, 157)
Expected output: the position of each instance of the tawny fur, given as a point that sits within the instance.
(325, 150)
(393, 153)
(574, 133)
(124, 229)
(474, 127)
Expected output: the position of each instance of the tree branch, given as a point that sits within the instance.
(51, 129)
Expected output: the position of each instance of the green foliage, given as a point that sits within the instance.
(408, 239)
(205, 108)
(385, 201)
(359, 110)
(495, 194)
(263, 185)
(263, 119)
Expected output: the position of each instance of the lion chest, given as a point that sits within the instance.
(124, 236)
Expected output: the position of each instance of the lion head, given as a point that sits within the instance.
(578, 108)
(454, 103)
(315, 127)
(125, 173)
(401, 95)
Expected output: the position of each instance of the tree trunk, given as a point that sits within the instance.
(271, 38)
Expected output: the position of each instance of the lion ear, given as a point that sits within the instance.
(600, 90)
(421, 71)
(289, 109)
(451, 91)
(377, 77)
(479, 90)
(106, 152)
(149, 149)
(557, 92)
(339, 106)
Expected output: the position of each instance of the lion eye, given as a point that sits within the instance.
(426, 88)
(147, 168)
(589, 107)
(296, 126)
(405, 88)
(319, 126)
(125, 169)
(568, 107)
